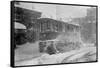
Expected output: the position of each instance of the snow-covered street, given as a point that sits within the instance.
(66, 57)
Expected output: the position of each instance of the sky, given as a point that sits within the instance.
(63, 12)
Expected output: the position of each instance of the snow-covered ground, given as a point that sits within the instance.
(36, 58)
